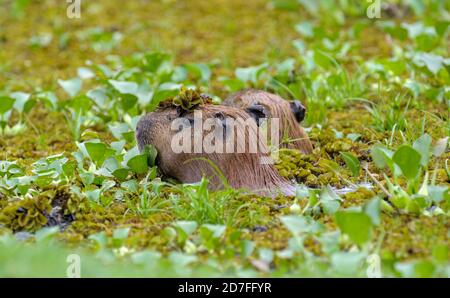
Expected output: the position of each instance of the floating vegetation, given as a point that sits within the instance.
(377, 98)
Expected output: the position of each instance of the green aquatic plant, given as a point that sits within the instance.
(27, 214)
(189, 99)
(411, 164)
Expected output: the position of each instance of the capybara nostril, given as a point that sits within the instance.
(299, 110)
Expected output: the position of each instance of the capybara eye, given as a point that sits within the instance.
(257, 112)
(219, 116)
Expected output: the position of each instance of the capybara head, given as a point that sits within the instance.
(261, 104)
(192, 144)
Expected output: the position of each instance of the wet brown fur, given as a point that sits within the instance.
(241, 170)
(277, 108)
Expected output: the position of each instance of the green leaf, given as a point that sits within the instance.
(305, 29)
(352, 162)
(373, 210)
(188, 227)
(6, 104)
(96, 151)
(440, 146)
(23, 102)
(433, 62)
(440, 253)
(72, 86)
(330, 200)
(422, 145)
(121, 233)
(138, 164)
(381, 156)
(300, 224)
(216, 230)
(151, 155)
(356, 224)
(347, 263)
(408, 159)
(124, 87)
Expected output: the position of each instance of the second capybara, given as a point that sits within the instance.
(262, 104)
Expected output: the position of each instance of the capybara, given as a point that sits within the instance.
(261, 104)
(228, 145)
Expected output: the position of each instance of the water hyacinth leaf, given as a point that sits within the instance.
(305, 28)
(128, 101)
(440, 253)
(286, 66)
(138, 163)
(301, 191)
(301, 224)
(356, 224)
(187, 227)
(423, 145)
(373, 210)
(440, 147)
(118, 130)
(347, 263)
(330, 200)
(434, 63)
(247, 248)
(250, 74)
(353, 136)
(46, 233)
(146, 258)
(181, 260)
(24, 102)
(85, 73)
(201, 70)
(164, 91)
(124, 87)
(154, 61)
(121, 233)
(438, 193)
(352, 162)
(118, 146)
(96, 151)
(93, 195)
(99, 96)
(151, 153)
(408, 159)
(6, 104)
(72, 86)
(100, 239)
(216, 230)
(381, 156)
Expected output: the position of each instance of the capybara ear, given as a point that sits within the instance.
(299, 110)
(257, 112)
(222, 119)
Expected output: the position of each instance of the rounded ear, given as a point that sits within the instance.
(257, 112)
(299, 110)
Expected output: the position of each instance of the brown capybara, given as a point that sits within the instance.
(228, 144)
(261, 104)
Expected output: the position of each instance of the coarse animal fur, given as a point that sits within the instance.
(262, 104)
(242, 168)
